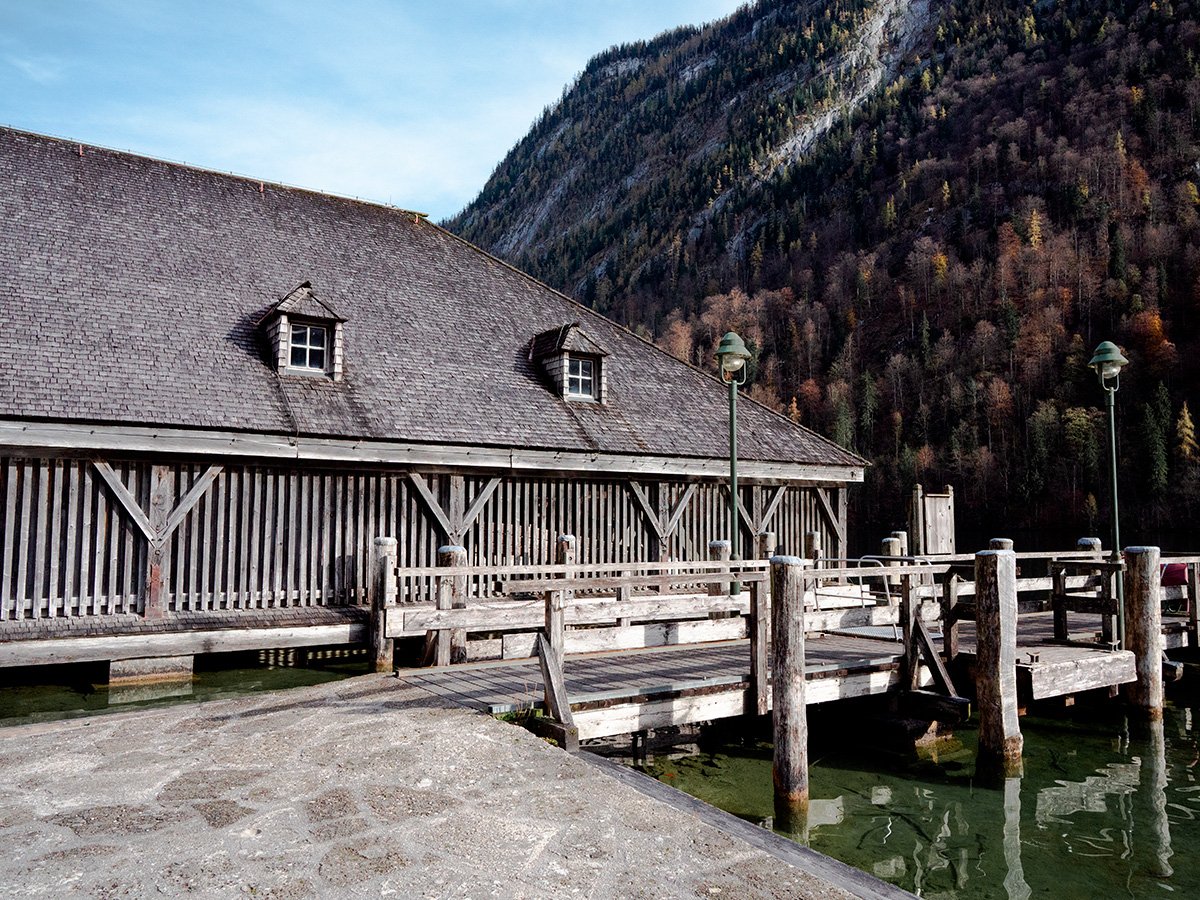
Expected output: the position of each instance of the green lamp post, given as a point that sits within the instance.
(731, 356)
(1107, 363)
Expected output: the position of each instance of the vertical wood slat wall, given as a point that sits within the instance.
(276, 537)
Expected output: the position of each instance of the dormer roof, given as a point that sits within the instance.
(302, 302)
(569, 338)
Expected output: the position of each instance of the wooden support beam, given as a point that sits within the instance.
(950, 617)
(477, 505)
(758, 697)
(677, 511)
(383, 597)
(189, 500)
(154, 606)
(643, 501)
(836, 525)
(790, 766)
(1000, 741)
(910, 669)
(1143, 630)
(430, 502)
(933, 706)
(941, 678)
(128, 502)
(771, 507)
(550, 662)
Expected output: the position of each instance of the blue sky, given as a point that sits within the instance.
(409, 102)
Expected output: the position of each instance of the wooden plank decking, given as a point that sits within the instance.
(625, 691)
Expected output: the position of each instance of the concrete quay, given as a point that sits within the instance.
(359, 788)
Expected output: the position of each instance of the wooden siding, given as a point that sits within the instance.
(270, 536)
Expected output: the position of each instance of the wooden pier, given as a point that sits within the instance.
(620, 692)
(648, 645)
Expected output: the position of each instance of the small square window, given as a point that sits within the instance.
(581, 381)
(308, 347)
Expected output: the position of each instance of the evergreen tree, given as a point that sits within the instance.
(1154, 443)
(1185, 437)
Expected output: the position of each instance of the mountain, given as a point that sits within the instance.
(922, 217)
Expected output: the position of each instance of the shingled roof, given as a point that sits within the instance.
(130, 292)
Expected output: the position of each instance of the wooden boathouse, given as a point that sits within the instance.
(218, 392)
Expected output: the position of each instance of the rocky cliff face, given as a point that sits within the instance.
(655, 141)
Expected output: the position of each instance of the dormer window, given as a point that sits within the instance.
(308, 347)
(581, 381)
(573, 361)
(304, 335)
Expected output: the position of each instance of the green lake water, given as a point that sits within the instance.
(63, 692)
(1103, 809)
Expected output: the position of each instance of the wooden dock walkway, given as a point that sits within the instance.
(631, 690)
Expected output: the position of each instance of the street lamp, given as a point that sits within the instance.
(731, 356)
(1107, 363)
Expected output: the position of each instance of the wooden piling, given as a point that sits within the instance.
(759, 627)
(790, 768)
(909, 662)
(383, 597)
(890, 547)
(950, 622)
(718, 550)
(1143, 630)
(451, 594)
(1000, 544)
(766, 545)
(1090, 545)
(902, 537)
(1000, 741)
(812, 548)
(556, 601)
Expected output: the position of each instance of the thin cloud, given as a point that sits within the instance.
(39, 69)
(427, 165)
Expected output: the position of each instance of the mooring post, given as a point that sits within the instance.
(890, 547)
(756, 701)
(1090, 545)
(718, 551)
(1000, 544)
(790, 768)
(383, 598)
(556, 601)
(451, 594)
(812, 548)
(1143, 630)
(902, 537)
(766, 545)
(1000, 741)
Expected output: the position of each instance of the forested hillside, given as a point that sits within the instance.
(921, 268)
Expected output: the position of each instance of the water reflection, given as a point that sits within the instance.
(59, 692)
(1098, 812)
